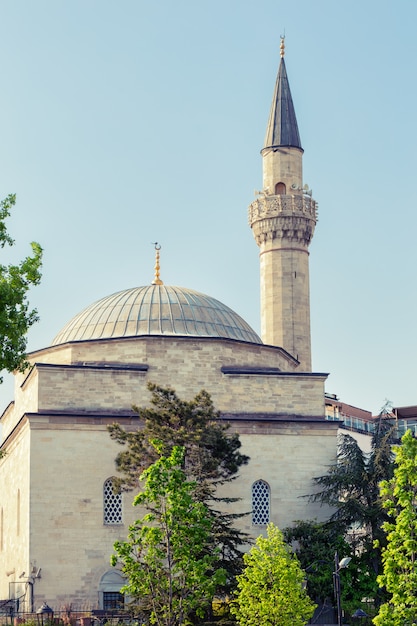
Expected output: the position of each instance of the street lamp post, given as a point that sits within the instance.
(338, 565)
(44, 614)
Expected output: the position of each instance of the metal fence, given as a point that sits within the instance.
(92, 617)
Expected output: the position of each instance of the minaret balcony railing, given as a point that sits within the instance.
(267, 206)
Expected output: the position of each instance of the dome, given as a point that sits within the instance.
(156, 310)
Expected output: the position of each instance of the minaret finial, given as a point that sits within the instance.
(157, 280)
(282, 46)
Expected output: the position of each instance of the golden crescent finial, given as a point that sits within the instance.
(282, 46)
(157, 280)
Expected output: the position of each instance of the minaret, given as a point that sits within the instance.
(283, 218)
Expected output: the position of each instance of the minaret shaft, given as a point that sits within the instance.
(285, 300)
(283, 226)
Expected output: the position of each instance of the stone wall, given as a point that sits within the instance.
(59, 453)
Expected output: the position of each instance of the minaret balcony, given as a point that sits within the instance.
(285, 217)
(271, 206)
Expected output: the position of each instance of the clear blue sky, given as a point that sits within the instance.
(127, 122)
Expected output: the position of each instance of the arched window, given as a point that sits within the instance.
(112, 504)
(110, 598)
(260, 503)
(280, 189)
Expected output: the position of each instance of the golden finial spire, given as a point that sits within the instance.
(282, 46)
(157, 280)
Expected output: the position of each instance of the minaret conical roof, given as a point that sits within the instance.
(282, 125)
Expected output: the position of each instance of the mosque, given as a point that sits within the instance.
(59, 516)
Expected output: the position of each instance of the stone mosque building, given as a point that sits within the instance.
(59, 517)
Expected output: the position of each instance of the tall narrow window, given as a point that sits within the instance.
(260, 503)
(112, 504)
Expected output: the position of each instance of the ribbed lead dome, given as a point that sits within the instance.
(156, 310)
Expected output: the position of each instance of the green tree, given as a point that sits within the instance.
(270, 590)
(16, 317)
(351, 489)
(399, 556)
(212, 458)
(212, 455)
(170, 573)
(315, 544)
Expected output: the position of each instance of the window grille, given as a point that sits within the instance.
(260, 503)
(112, 504)
(112, 600)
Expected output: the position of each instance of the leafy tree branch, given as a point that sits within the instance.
(16, 316)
